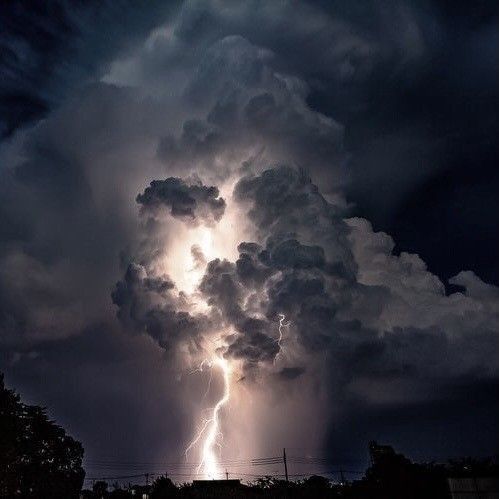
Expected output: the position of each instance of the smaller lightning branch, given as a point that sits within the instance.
(210, 431)
(205, 364)
(282, 324)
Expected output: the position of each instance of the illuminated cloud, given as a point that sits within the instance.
(344, 291)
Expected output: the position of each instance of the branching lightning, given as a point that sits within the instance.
(209, 433)
(210, 428)
(282, 324)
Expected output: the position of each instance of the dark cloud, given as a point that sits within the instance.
(253, 345)
(250, 269)
(291, 254)
(94, 384)
(290, 373)
(50, 49)
(283, 191)
(284, 198)
(370, 321)
(197, 142)
(223, 290)
(148, 305)
(61, 229)
(430, 115)
(193, 203)
(252, 111)
(391, 108)
(198, 257)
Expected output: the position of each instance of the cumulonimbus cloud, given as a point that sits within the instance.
(384, 318)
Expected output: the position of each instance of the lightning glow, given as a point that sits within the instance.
(210, 431)
(218, 241)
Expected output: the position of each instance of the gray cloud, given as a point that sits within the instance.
(198, 257)
(250, 111)
(253, 344)
(290, 373)
(49, 50)
(283, 199)
(223, 290)
(195, 202)
(148, 305)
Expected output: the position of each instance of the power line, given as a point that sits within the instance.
(233, 462)
(186, 469)
(254, 475)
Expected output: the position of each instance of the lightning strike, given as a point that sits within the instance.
(282, 324)
(210, 429)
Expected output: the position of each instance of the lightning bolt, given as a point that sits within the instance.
(210, 428)
(282, 324)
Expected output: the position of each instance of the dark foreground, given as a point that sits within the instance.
(391, 476)
(38, 460)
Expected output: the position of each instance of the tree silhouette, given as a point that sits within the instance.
(100, 489)
(37, 458)
(163, 488)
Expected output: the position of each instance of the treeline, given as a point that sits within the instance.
(391, 476)
(38, 459)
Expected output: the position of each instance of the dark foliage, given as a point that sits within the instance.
(163, 487)
(37, 458)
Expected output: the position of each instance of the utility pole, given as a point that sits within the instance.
(285, 464)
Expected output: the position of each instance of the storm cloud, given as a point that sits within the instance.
(390, 306)
(385, 317)
(255, 158)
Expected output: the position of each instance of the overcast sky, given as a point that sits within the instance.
(172, 171)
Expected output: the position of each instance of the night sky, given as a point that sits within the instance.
(175, 177)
